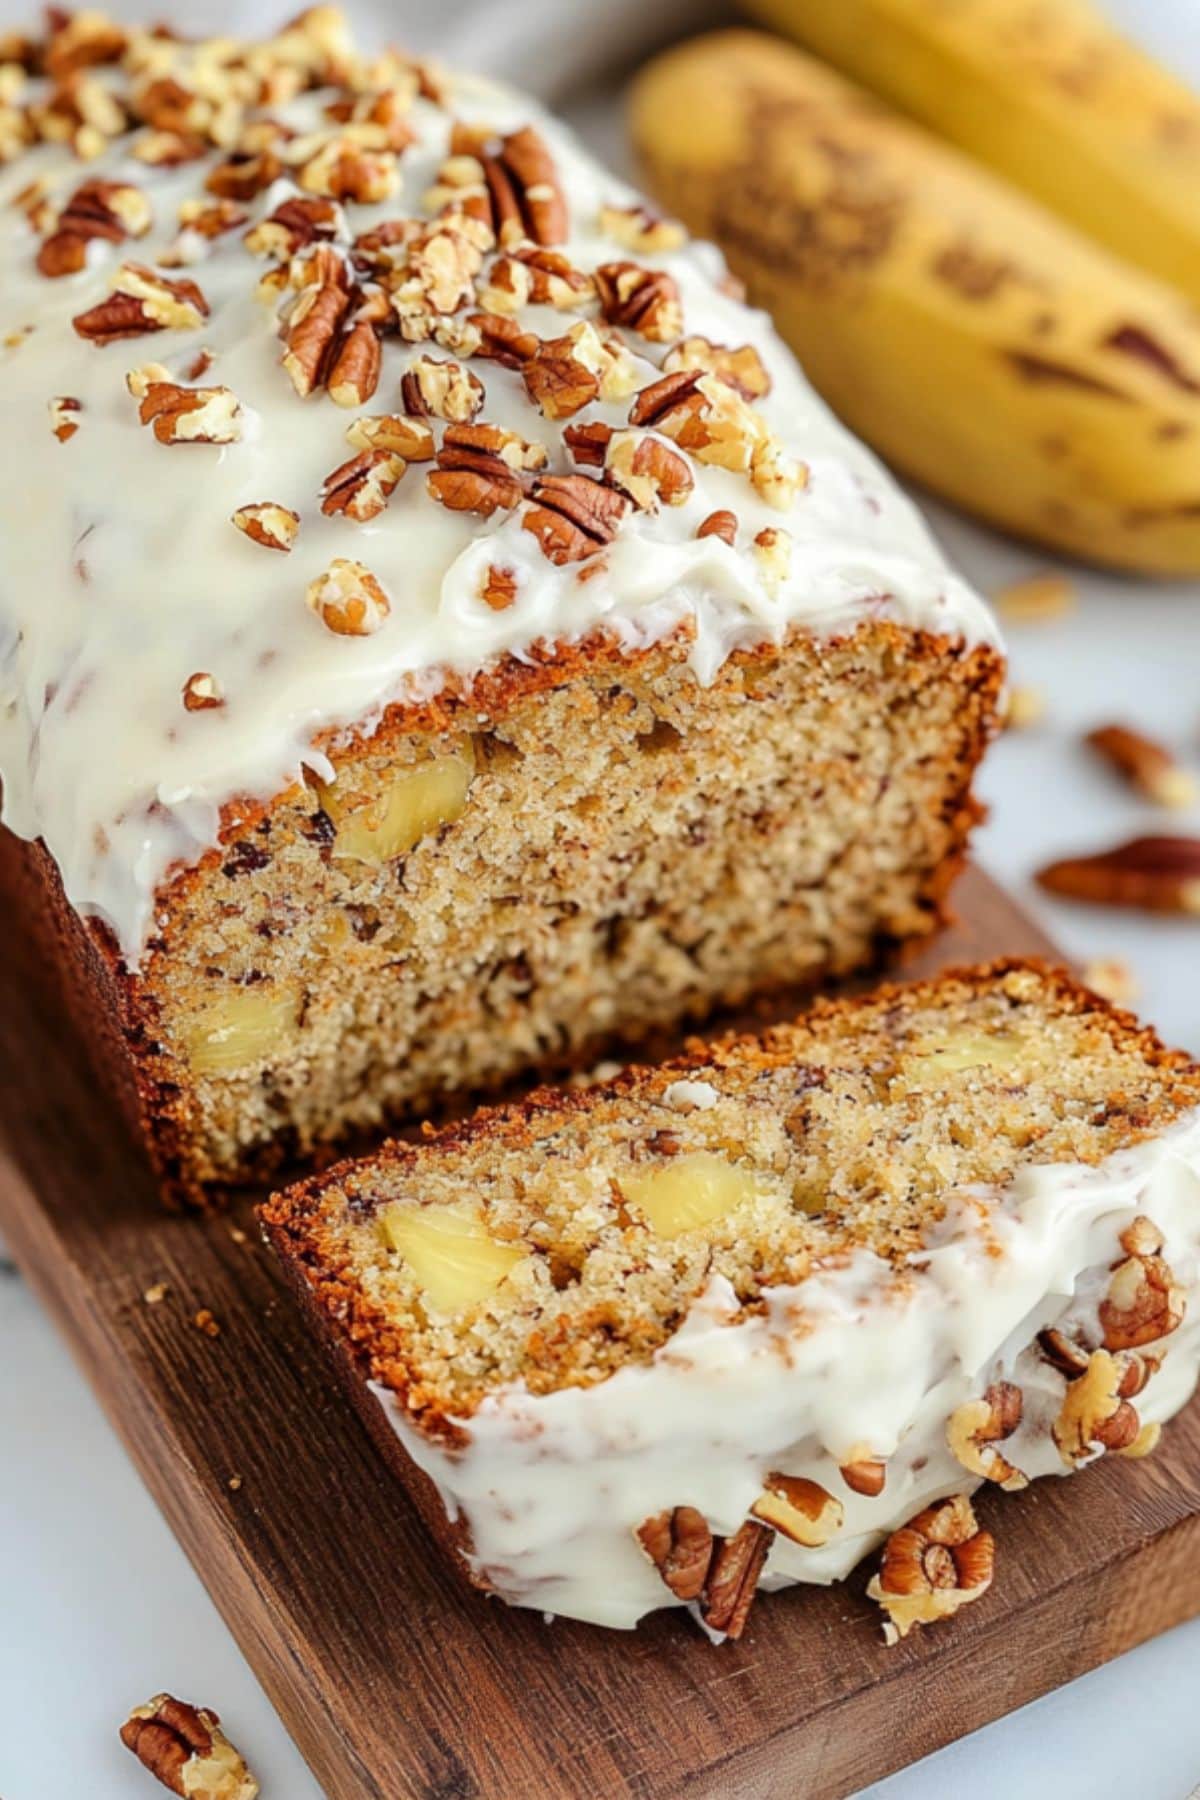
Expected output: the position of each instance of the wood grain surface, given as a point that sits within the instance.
(394, 1678)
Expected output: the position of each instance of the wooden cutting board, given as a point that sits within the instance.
(394, 1678)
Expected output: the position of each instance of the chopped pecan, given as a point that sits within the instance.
(182, 415)
(344, 169)
(637, 228)
(680, 1546)
(80, 40)
(64, 416)
(436, 276)
(294, 225)
(348, 599)
(1157, 874)
(643, 300)
(482, 469)
(410, 438)
(772, 550)
(362, 487)
(722, 524)
(667, 401)
(142, 301)
(646, 469)
(201, 222)
(441, 390)
(1094, 1417)
(202, 692)
(864, 1475)
(975, 1429)
(387, 110)
(168, 149)
(567, 373)
(112, 210)
(742, 368)
(1143, 1301)
(502, 340)
(704, 415)
(245, 174)
(1148, 765)
(517, 452)
(185, 1748)
(573, 516)
(266, 523)
(802, 1510)
(499, 590)
(941, 1560)
(733, 1578)
(354, 369)
(529, 276)
(588, 443)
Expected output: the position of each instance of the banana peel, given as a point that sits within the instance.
(1043, 91)
(980, 344)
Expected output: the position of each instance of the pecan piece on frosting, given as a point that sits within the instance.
(1094, 1417)
(637, 228)
(528, 276)
(244, 174)
(977, 1427)
(111, 210)
(1143, 1302)
(525, 198)
(643, 300)
(941, 1560)
(733, 1578)
(742, 368)
(185, 1748)
(802, 1510)
(722, 524)
(266, 523)
(680, 1546)
(502, 340)
(441, 390)
(864, 1475)
(142, 301)
(348, 599)
(499, 589)
(312, 326)
(362, 487)
(202, 692)
(296, 223)
(483, 469)
(183, 415)
(65, 412)
(568, 372)
(646, 469)
(410, 438)
(573, 516)
(1155, 874)
(354, 369)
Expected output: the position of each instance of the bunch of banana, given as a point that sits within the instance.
(984, 346)
(1046, 93)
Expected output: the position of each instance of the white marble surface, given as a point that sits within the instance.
(98, 1606)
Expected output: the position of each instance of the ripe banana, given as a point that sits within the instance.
(980, 344)
(1048, 94)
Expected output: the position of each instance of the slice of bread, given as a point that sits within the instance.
(778, 1260)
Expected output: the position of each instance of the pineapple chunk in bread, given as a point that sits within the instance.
(720, 1284)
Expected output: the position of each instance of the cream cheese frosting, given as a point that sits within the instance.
(123, 576)
(857, 1361)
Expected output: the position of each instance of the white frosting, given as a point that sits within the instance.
(122, 574)
(553, 1487)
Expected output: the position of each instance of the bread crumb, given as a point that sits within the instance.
(1112, 979)
(1026, 707)
(204, 1321)
(154, 1294)
(1037, 599)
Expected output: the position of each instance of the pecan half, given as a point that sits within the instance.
(1156, 874)
(354, 369)
(940, 1561)
(742, 368)
(265, 523)
(112, 210)
(65, 412)
(573, 516)
(525, 196)
(142, 301)
(362, 487)
(410, 438)
(185, 1748)
(442, 390)
(680, 1546)
(1147, 765)
(483, 469)
(1143, 1301)
(502, 340)
(202, 692)
(643, 300)
(312, 329)
(733, 1578)
(975, 1429)
(348, 599)
(181, 415)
